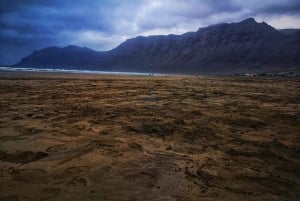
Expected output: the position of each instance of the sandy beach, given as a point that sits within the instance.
(100, 137)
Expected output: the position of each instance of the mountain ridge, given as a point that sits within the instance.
(245, 46)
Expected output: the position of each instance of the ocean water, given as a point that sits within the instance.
(4, 68)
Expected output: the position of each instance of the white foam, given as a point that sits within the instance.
(61, 70)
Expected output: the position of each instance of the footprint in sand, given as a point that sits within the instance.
(77, 181)
(136, 146)
(56, 148)
(23, 157)
(26, 175)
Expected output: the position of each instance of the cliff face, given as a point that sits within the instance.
(219, 49)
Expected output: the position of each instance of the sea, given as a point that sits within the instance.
(58, 70)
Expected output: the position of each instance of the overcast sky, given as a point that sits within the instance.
(27, 25)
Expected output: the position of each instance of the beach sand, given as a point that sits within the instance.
(100, 137)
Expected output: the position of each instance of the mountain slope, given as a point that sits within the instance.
(67, 57)
(218, 49)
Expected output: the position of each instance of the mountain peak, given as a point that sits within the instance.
(248, 21)
(71, 47)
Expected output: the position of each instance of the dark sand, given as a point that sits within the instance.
(97, 137)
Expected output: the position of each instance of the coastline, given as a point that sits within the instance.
(73, 71)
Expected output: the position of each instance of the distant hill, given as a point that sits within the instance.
(289, 31)
(67, 57)
(246, 46)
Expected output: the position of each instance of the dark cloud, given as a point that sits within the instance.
(276, 7)
(102, 24)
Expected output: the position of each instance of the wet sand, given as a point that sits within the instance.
(99, 137)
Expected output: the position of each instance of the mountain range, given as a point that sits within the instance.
(246, 46)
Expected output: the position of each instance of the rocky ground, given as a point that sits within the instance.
(96, 137)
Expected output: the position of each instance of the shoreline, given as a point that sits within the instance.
(74, 71)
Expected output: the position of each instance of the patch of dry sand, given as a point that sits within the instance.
(96, 137)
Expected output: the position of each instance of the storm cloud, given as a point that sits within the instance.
(103, 24)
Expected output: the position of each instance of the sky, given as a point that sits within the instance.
(28, 25)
